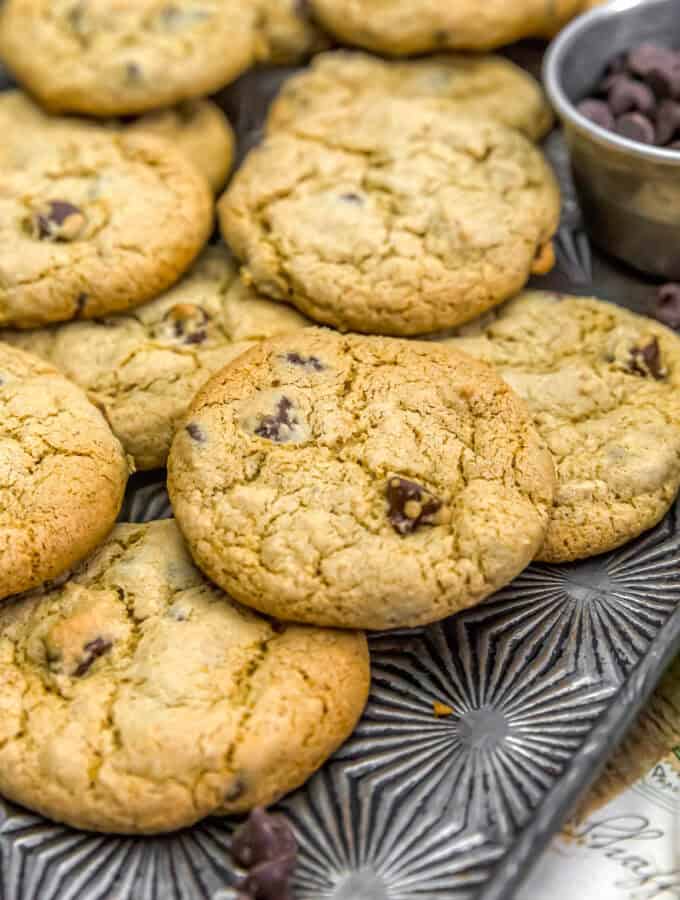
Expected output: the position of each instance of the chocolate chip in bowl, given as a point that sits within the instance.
(613, 76)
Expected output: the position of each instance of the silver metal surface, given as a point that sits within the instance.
(629, 192)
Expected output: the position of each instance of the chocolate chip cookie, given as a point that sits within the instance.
(602, 385)
(144, 367)
(286, 33)
(481, 85)
(138, 698)
(95, 224)
(121, 57)
(383, 216)
(62, 473)
(198, 128)
(359, 481)
(402, 27)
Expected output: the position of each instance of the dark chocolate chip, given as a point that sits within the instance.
(262, 838)
(647, 360)
(664, 79)
(59, 220)
(636, 127)
(196, 337)
(81, 302)
(351, 197)
(667, 306)
(410, 505)
(598, 112)
(646, 57)
(235, 790)
(92, 651)
(269, 880)
(133, 73)
(667, 121)
(277, 426)
(626, 95)
(306, 362)
(188, 321)
(196, 433)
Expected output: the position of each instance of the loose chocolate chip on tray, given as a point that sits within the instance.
(410, 505)
(646, 360)
(92, 651)
(667, 306)
(266, 846)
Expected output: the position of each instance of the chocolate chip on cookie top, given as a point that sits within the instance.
(359, 481)
(602, 385)
(389, 216)
(163, 701)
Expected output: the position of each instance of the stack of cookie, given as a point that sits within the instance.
(326, 480)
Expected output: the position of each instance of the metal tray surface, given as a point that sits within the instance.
(544, 679)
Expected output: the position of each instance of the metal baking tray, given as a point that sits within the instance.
(544, 679)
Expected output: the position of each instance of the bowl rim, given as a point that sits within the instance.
(564, 107)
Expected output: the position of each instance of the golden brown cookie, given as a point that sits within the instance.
(403, 27)
(603, 387)
(121, 57)
(359, 481)
(383, 216)
(143, 368)
(62, 473)
(481, 85)
(138, 698)
(95, 224)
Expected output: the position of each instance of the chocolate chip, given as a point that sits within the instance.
(92, 651)
(647, 360)
(133, 73)
(667, 306)
(667, 121)
(410, 505)
(196, 433)
(626, 95)
(646, 57)
(351, 197)
(263, 838)
(305, 362)
(81, 302)
(58, 220)
(268, 881)
(235, 790)
(278, 426)
(187, 321)
(635, 127)
(598, 112)
(664, 80)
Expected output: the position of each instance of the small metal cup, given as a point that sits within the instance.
(629, 192)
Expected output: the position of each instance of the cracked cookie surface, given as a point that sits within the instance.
(198, 128)
(144, 367)
(62, 473)
(402, 27)
(382, 216)
(603, 386)
(488, 86)
(359, 481)
(94, 224)
(138, 698)
(120, 57)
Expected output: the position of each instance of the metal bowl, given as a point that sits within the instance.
(629, 192)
